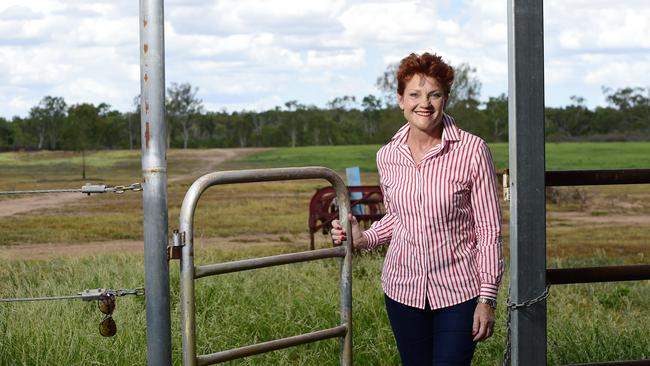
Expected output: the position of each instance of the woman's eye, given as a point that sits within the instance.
(414, 95)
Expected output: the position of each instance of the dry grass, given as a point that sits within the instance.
(590, 226)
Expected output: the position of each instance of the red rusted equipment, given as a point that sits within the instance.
(323, 208)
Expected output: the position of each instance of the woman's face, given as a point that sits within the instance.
(423, 103)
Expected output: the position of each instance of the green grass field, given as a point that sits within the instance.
(559, 156)
(587, 323)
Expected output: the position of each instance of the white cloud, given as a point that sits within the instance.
(19, 12)
(259, 53)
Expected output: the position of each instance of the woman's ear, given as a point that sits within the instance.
(400, 101)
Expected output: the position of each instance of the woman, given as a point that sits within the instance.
(443, 225)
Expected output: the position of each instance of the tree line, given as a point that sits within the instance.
(54, 125)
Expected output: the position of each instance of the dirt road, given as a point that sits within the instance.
(211, 157)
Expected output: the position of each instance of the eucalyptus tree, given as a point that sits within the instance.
(45, 121)
(182, 107)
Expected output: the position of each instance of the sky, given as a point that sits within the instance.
(257, 54)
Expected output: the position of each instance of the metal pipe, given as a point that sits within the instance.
(247, 176)
(563, 276)
(614, 363)
(275, 260)
(154, 174)
(273, 345)
(597, 177)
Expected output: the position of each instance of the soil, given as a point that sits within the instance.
(135, 247)
(587, 218)
(211, 157)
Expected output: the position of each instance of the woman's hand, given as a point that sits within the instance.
(483, 326)
(339, 235)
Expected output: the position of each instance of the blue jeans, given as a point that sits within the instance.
(441, 337)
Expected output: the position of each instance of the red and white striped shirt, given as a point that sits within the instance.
(443, 221)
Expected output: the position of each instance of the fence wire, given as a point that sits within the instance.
(86, 295)
(86, 188)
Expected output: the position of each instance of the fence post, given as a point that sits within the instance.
(527, 197)
(353, 175)
(154, 174)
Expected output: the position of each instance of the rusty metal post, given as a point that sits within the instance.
(154, 174)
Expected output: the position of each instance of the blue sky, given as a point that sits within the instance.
(256, 54)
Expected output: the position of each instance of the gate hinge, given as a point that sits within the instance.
(175, 248)
(506, 185)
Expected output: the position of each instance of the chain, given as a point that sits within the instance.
(510, 306)
(86, 188)
(86, 295)
(135, 187)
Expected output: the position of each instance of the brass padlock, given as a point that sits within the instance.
(106, 304)
(107, 327)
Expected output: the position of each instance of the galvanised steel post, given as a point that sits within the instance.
(527, 197)
(154, 174)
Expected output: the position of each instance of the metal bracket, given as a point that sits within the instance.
(178, 242)
(506, 185)
(92, 294)
(93, 188)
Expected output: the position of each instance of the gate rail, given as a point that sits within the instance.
(562, 276)
(189, 273)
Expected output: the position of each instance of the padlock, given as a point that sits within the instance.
(107, 327)
(106, 304)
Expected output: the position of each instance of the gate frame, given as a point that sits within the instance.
(528, 273)
(189, 273)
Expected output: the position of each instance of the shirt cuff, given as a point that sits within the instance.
(371, 238)
(489, 290)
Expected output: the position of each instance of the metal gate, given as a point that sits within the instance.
(183, 243)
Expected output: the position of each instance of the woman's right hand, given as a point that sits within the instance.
(339, 234)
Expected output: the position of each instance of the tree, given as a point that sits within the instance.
(133, 120)
(387, 84)
(291, 119)
(182, 107)
(46, 121)
(626, 98)
(334, 130)
(82, 130)
(371, 107)
(6, 134)
(497, 112)
(466, 88)
(634, 105)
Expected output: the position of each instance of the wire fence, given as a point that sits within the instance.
(86, 188)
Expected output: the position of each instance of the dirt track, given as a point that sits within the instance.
(212, 159)
(53, 250)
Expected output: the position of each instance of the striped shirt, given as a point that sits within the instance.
(443, 221)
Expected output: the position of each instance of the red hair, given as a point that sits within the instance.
(425, 64)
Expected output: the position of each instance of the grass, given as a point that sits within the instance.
(559, 156)
(595, 322)
(587, 323)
